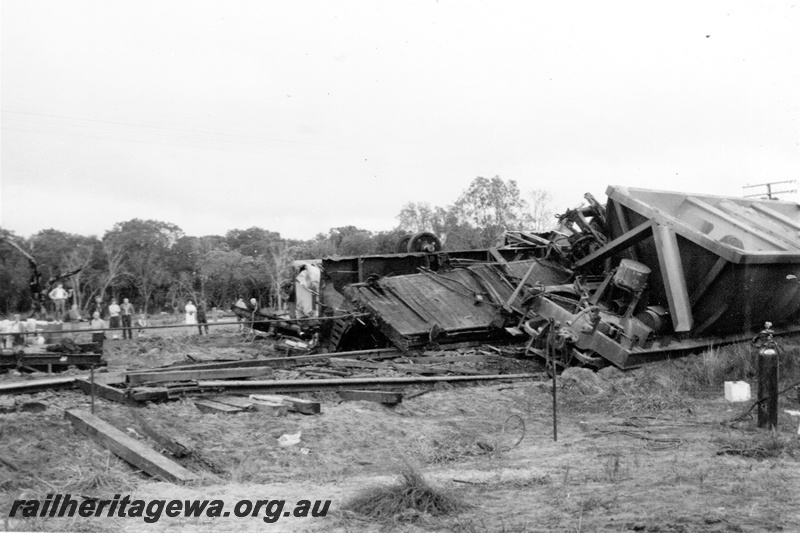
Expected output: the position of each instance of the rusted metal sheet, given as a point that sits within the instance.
(453, 306)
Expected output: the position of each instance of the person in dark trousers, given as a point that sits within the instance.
(202, 322)
(126, 313)
(98, 307)
(98, 336)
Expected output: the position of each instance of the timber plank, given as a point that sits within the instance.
(150, 394)
(106, 392)
(37, 385)
(135, 378)
(391, 398)
(212, 407)
(454, 359)
(271, 408)
(419, 369)
(306, 407)
(354, 363)
(128, 448)
(234, 401)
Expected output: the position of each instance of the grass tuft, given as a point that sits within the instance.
(407, 500)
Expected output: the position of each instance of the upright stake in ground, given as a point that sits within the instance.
(551, 357)
(767, 379)
(91, 380)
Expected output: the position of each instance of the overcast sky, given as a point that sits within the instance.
(300, 116)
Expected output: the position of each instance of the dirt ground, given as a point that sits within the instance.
(636, 451)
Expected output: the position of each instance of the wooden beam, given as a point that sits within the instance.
(353, 363)
(674, 278)
(419, 369)
(235, 401)
(391, 398)
(271, 408)
(194, 375)
(128, 448)
(212, 407)
(149, 394)
(37, 385)
(454, 359)
(306, 407)
(497, 257)
(624, 241)
(106, 392)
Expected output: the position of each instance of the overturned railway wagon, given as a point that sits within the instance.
(649, 274)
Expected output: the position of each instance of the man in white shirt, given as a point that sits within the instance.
(59, 296)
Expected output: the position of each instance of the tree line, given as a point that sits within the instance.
(158, 267)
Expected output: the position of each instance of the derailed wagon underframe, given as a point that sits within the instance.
(650, 274)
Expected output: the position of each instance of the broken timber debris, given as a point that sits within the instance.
(107, 392)
(136, 378)
(241, 403)
(306, 407)
(212, 407)
(353, 363)
(128, 448)
(271, 408)
(37, 385)
(385, 397)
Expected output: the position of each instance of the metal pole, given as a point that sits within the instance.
(91, 380)
(768, 388)
(551, 357)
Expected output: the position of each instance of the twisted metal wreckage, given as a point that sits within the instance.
(650, 274)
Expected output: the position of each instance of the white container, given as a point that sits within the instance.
(737, 391)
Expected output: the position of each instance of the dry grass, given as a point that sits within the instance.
(761, 445)
(409, 499)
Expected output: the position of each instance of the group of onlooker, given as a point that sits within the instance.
(196, 314)
(103, 317)
(119, 316)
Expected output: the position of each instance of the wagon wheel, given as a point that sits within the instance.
(561, 350)
(424, 242)
(402, 245)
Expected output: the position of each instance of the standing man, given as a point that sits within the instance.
(59, 296)
(126, 312)
(113, 317)
(202, 321)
